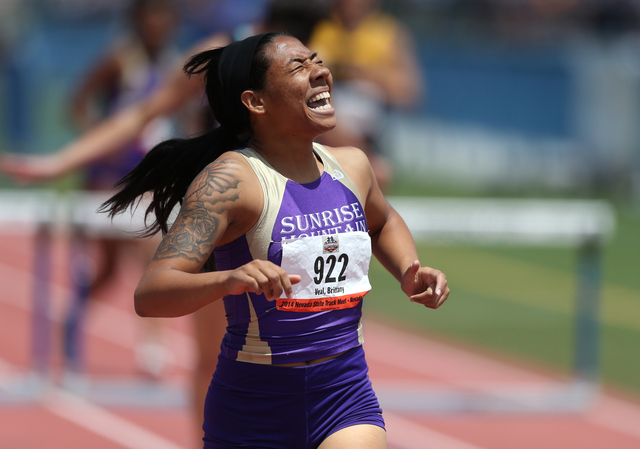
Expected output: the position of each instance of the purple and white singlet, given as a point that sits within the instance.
(317, 230)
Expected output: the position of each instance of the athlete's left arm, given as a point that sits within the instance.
(391, 240)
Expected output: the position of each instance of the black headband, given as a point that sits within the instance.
(234, 70)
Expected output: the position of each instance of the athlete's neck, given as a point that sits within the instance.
(293, 159)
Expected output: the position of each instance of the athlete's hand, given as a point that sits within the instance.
(425, 285)
(29, 168)
(261, 276)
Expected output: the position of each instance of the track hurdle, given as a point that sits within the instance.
(581, 224)
(45, 213)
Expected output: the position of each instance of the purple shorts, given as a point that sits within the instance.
(265, 406)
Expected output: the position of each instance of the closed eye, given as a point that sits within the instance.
(300, 67)
(302, 61)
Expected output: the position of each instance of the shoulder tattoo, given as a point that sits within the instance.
(218, 179)
(193, 232)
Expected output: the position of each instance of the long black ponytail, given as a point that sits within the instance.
(169, 168)
(166, 172)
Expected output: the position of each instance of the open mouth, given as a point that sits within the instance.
(320, 101)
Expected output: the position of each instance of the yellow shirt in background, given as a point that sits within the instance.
(369, 45)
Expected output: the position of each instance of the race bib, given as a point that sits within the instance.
(334, 270)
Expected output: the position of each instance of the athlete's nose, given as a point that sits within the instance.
(321, 73)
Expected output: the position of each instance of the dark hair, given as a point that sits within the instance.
(170, 167)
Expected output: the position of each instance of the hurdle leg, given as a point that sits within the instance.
(81, 282)
(41, 327)
(587, 331)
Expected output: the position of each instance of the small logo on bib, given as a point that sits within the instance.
(330, 244)
(337, 174)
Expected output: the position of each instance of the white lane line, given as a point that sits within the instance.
(104, 423)
(405, 434)
(96, 419)
(616, 415)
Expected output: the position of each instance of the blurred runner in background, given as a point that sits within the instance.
(132, 68)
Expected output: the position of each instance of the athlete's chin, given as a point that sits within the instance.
(327, 125)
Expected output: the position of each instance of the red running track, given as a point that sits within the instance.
(403, 365)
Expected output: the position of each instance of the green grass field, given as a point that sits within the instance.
(519, 302)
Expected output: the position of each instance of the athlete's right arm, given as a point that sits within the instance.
(114, 133)
(106, 138)
(218, 207)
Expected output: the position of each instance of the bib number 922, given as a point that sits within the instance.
(332, 265)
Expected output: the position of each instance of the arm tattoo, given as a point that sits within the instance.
(219, 178)
(193, 232)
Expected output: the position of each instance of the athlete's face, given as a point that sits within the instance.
(156, 26)
(298, 88)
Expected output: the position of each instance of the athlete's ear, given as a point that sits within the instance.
(253, 101)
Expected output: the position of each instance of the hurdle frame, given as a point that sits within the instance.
(585, 225)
